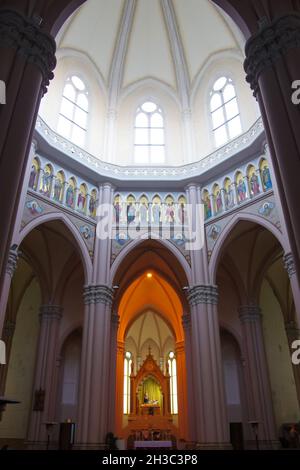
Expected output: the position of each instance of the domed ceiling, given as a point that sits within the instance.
(167, 40)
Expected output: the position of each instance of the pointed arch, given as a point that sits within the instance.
(218, 248)
(82, 248)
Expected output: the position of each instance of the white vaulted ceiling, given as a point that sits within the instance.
(132, 40)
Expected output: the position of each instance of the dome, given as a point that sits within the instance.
(125, 54)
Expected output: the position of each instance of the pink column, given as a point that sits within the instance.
(191, 402)
(99, 345)
(212, 428)
(44, 399)
(9, 272)
(259, 394)
(289, 264)
(115, 321)
(210, 411)
(95, 392)
(181, 389)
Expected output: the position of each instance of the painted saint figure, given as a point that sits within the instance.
(70, 196)
(254, 184)
(207, 208)
(170, 213)
(58, 186)
(33, 176)
(242, 191)
(92, 206)
(81, 201)
(266, 178)
(156, 213)
(143, 213)
(219, 203)
(130, 213)
(46, 183)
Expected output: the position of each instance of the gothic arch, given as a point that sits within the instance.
(218, 248)
(165, 243)
(82, 248)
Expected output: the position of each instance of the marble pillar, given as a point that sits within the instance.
(258, 388)
(45, 379)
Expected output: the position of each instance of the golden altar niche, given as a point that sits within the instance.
(150, 382)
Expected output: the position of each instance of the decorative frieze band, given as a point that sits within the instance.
(249, 313)
(12, 261)
(34, 45)
(272, 41)
(53, 312)
(289, 264)
(203, 295)
(98, 295)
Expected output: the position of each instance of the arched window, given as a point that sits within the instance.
(127, 372)
(149, 139)
(73, 116)
(224, 109)
(173, 382)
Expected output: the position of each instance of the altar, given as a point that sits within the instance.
(150, 409)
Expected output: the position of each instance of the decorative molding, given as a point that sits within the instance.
(249, 313)
(203, 295)
(12, 261)
(134, 173)
(266, 47)
(34, 45)
(51, 312)
(289, 264)
(98, 295)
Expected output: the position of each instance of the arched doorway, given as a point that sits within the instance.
(151, 355)
(45, 305)
(257, 305)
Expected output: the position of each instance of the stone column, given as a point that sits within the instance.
(210, 411)
(289, 264)
(181, 389)
(272, 65)
(115, 321)
(259, 394)
(44, 398)
(212, 426)
(27, 61)
(9, 273)
(191, 392)
(293, 334)
(95, 390)
(119, 386)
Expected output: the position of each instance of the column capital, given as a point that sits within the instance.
(31, 43)
(289, 264)
(249, 313)
(12, 261)
(51, 312)
(100, 294)
(272, 41)
(202, 295)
